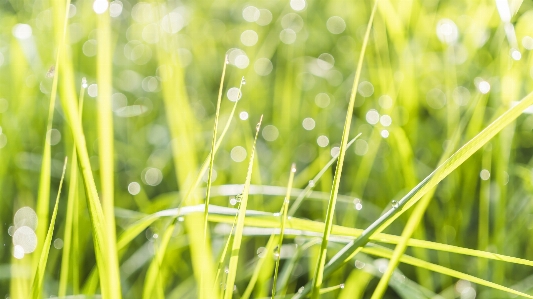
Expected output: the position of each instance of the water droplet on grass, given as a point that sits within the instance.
(51, 72)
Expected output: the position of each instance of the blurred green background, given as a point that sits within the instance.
(429, 65)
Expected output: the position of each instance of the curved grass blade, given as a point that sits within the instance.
(72, 215)
(387, 253)
(267, 220)
(310, 227)
(319, 275)
(237, 239)
(427, 184)
(283, 216)
(37, 286)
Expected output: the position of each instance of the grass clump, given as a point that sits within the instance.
(409, 123)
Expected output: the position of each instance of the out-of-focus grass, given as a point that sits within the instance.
(431, 68)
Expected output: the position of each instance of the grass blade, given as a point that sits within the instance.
(283, 216)
(267, 220)
(212, 154)
(237, 239)
(317, 281)
(72, 215)
(105, 133)
(37, 286)
(225, 250)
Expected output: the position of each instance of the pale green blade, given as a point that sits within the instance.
(237, 239)
(72, 215)
(283, 216)
(106, 154)
(37, 286)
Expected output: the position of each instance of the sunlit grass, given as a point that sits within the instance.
(173, 191)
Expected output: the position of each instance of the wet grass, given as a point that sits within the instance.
(174, 190)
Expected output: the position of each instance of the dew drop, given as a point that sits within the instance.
(243, 81)
(357, 203)
(359, 264)
(51, 72)
(84, 82)
(395, 204)
(311, 183)
(261, 252)
(341, 285)
(238, 197)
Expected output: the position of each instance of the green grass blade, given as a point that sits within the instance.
(283, 216)
(317, 281)
(37, 286)
(429, 182)
(153, 274)
(225, 251)
(72, 214)
(266, 220)
(237, 239)
(270, 221)
(387, 253)
(105, 132)
(212, 154)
